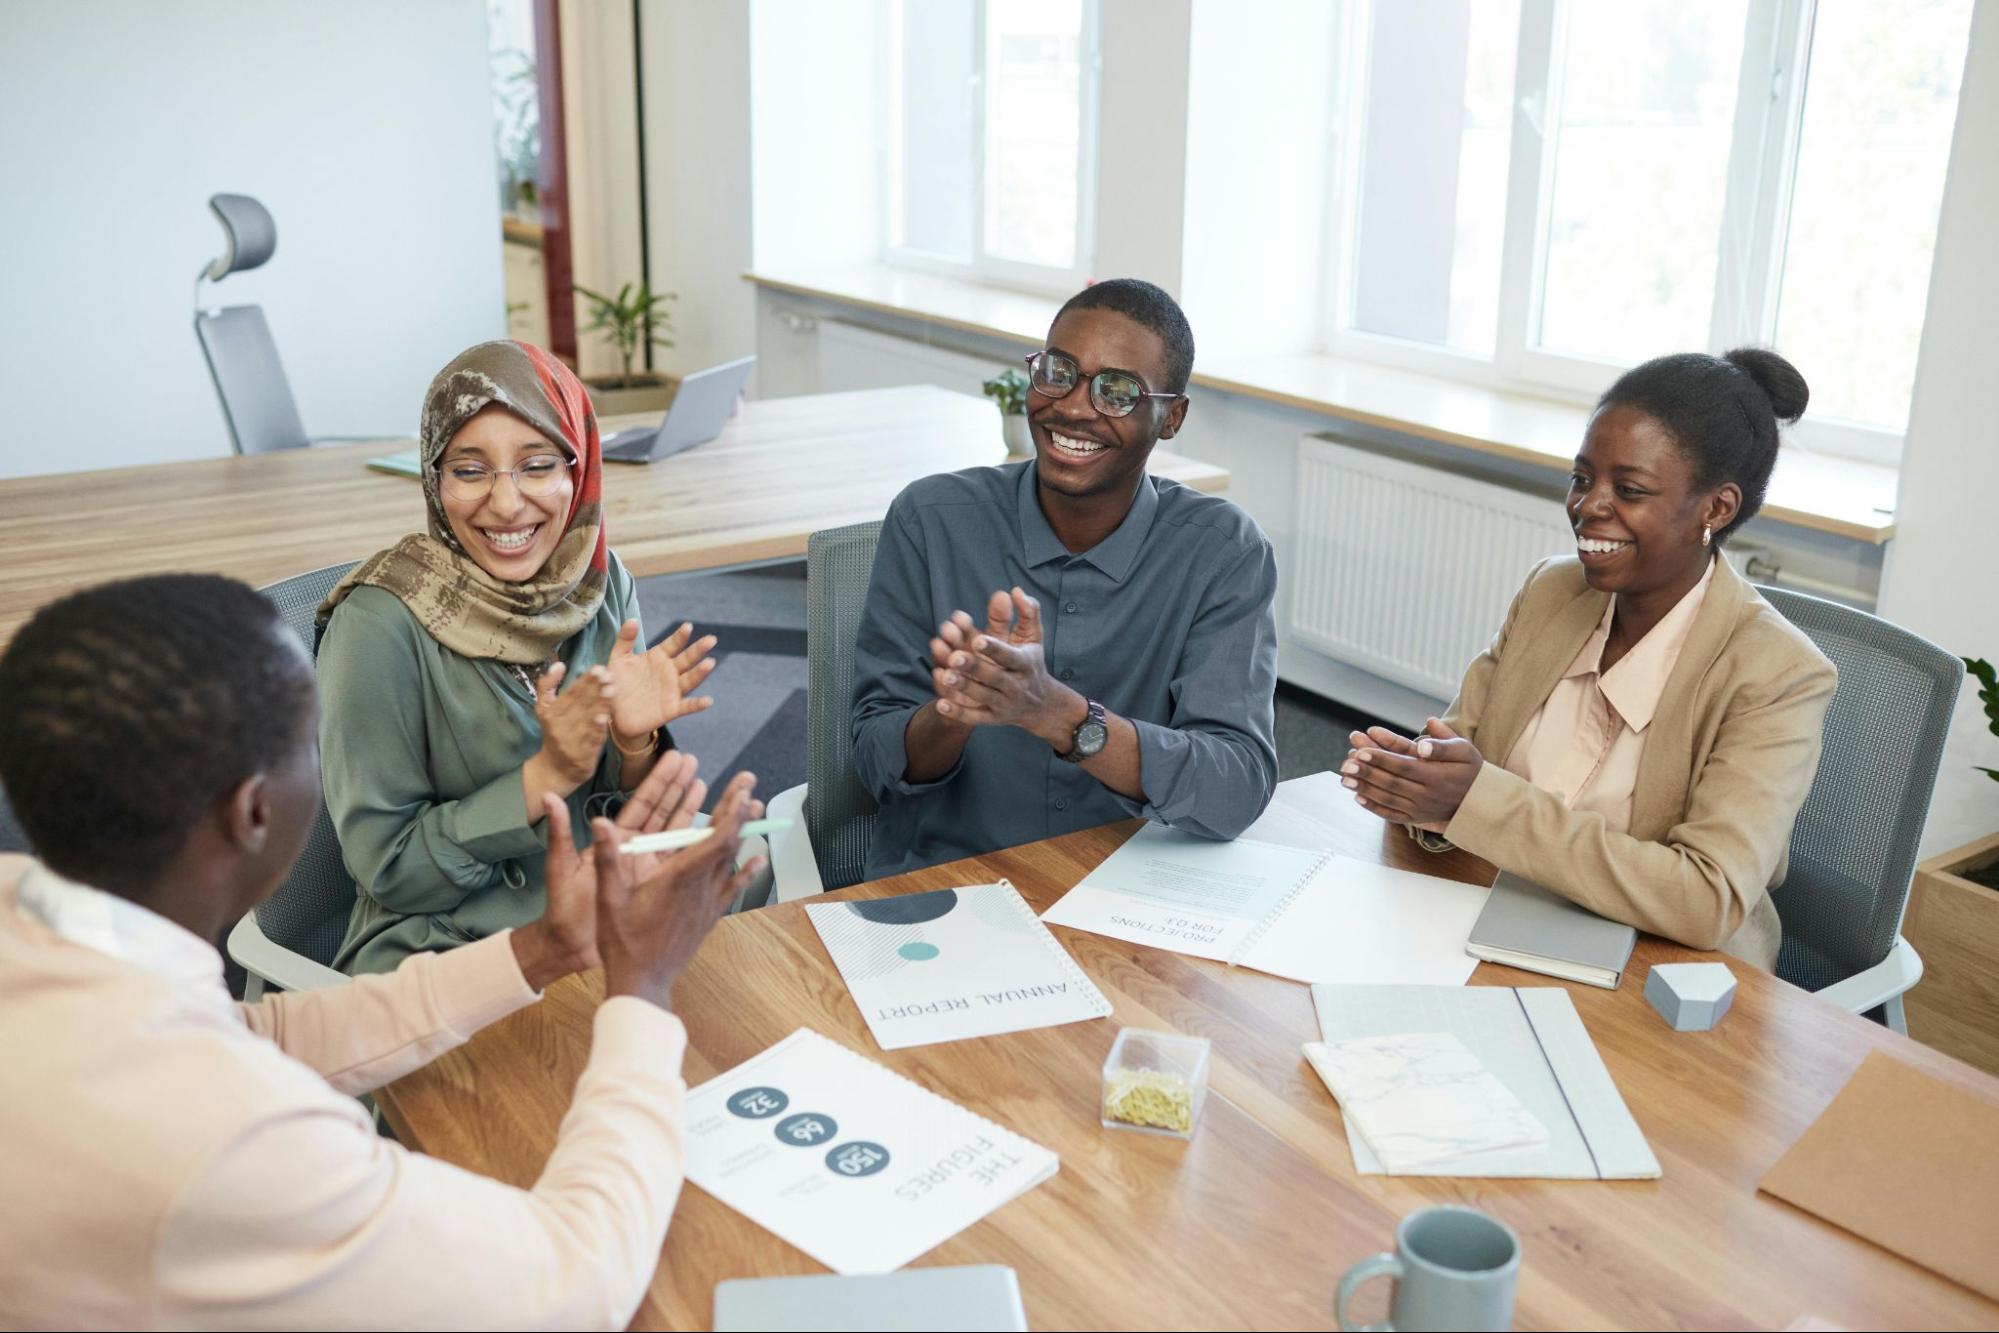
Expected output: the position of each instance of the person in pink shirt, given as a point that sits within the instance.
(174, 1159)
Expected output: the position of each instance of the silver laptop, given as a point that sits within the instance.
(700, 408)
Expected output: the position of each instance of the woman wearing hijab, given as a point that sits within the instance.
(1642, 732)
(443, 660)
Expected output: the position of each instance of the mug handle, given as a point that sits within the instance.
(1379, 1265)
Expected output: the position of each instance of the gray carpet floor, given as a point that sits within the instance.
(758, 718)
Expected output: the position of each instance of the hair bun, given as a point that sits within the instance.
(1777, 378)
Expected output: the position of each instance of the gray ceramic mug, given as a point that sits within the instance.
(1454, 1268)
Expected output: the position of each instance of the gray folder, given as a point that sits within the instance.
(976, 1297)
(1524, 925)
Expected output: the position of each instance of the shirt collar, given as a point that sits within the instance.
(1636, 683)
(1113, 556)
(117, 927)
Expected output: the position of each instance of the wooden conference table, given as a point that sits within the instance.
(1252, 1223)
(782, 470)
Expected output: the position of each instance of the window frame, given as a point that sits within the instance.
(1754, 232)
(984, 267)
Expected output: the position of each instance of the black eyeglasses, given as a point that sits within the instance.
(1112, 392)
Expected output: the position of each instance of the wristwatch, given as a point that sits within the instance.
(1090, 735)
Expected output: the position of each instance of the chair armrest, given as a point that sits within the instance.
(792, 861)
(1877, 985)
(275, 964)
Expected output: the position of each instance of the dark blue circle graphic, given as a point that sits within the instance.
(757, 1103)
(857, 1159)
(912, 909)
(806, 1130)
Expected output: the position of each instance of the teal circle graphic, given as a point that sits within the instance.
(916, 951)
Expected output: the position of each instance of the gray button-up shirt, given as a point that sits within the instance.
(1167, 622)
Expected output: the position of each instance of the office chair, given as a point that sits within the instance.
(833, 815)
(242, 357)
(13, 838)
(1853, 850)
(290, 938)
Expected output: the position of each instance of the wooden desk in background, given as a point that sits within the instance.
(1252, 1223)
(784, 469)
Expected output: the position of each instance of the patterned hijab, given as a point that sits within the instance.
(462, 606)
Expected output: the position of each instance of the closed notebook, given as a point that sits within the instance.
(973, 1297)
(1525, 926)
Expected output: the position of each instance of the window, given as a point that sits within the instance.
(1541, 193)
(993, 107)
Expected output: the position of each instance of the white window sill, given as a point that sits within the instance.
(1844, 497)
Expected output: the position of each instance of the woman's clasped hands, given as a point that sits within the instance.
(1420, 781)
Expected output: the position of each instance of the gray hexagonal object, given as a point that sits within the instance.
(1691, 997)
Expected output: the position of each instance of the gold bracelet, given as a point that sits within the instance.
(650, 746)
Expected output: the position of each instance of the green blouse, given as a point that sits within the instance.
(421, 753)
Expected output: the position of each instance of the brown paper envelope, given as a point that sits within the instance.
(1909, 1162)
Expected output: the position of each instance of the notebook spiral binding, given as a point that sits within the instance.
(1077, 977)
(1283, 905)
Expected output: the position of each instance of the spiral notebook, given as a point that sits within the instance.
(953, 963)
(851, 1162)
(1293, 912)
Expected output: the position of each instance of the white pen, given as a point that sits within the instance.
(687, 837)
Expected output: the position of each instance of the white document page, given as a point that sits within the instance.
(1191, 895)
(1361, 923)
(1532, 1040)
(953, 963)
(857, 1166)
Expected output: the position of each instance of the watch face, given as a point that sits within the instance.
(1090, 738)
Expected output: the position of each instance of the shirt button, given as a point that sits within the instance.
(1068, 673)
(1061, 803)
(1070, 607)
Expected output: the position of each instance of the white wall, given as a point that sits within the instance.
(602, 131)
(365, 127)
(1142, 139)
(1256, 165)
(816, 132)
(696, 66)
(1939, 579)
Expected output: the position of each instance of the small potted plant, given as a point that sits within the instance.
(1008, 389)
(635, 317)
(1953, 922)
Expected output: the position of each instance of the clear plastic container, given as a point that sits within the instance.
(1155, 1083)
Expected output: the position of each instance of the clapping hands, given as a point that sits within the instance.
(998, 676)
(1420, 781)
(652, 688)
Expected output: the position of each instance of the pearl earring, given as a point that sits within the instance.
(1707, 533)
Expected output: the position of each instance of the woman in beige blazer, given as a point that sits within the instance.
(1655, 723)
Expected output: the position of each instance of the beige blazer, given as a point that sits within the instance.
(171, 1159)
(1729, 759)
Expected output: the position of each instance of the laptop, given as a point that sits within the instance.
(700, 408)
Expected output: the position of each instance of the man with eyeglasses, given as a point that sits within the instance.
(1065, 641)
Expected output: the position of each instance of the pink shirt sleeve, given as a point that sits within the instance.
(375, 1029)
(308, 1219)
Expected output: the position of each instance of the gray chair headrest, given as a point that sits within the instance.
(251, 233)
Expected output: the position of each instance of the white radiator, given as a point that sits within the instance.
(1406, 570)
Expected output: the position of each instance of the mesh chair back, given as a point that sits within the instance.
(1854, 847)
(308, 914)
(839, 812)
(13, 838)
(250, 380)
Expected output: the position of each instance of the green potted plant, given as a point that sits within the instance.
(635, 317)
(1008, 390)
(1953, 922)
